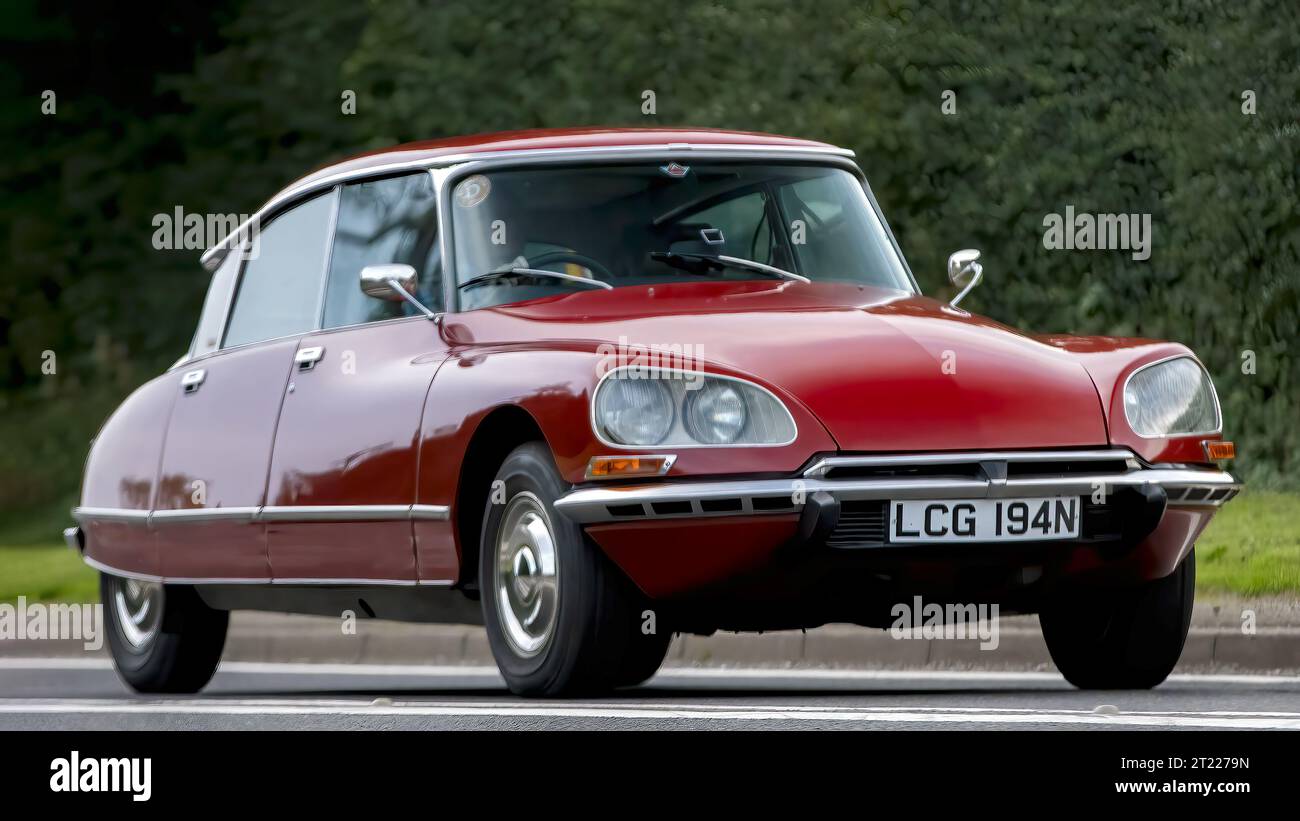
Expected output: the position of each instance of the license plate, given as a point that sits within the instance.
(984, 520)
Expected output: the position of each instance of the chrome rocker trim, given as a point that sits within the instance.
(265, 513)
(1184, 486)
(322, 582)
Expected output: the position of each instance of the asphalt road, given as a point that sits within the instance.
(85, 694)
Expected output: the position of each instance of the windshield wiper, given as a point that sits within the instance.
(532, 273)
(692, 262)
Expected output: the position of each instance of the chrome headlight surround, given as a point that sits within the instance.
(1172, 397)
(765, 420)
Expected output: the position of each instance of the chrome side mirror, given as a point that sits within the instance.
(376, 281)
(394, 282)
(964, 271)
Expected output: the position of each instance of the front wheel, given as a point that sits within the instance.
(561, 619)
(163, 638)
(1122, 639)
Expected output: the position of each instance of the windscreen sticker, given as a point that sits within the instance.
(472, 190)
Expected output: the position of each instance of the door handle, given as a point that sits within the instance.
(308, 357)
(191, 380)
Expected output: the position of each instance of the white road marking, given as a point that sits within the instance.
(717, 673)
(651, 712)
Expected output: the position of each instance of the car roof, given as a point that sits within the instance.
(542, 139)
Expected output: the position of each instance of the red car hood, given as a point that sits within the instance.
(881, 370)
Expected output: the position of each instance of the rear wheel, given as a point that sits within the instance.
(1122, 638)
(561, 619)
(163, 638)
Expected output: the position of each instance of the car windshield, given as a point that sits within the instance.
(660, 222)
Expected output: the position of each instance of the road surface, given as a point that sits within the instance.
(85, 694)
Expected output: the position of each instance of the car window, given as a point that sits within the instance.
(649, 222)
(834, 240)
(380, 222)
(279, 292)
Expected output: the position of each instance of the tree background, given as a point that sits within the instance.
(1108, 109)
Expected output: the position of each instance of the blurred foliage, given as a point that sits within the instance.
(1106, 108)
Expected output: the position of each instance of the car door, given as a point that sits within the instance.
(342, 478)
(212, 476)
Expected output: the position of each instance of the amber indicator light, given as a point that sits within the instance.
(610, 467)
(1218, 451)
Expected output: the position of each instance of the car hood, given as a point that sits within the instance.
(882, 371)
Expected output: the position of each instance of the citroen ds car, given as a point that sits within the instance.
(592, 388)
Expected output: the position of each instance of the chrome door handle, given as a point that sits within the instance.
(308, 357)
(192, 379)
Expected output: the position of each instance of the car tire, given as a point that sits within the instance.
(561, 619)
(645, 657)
(163, 638)
(1122, 638)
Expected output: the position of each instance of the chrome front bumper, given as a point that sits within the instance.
(1024, 474)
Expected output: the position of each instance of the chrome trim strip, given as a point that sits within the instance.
(110, 514)
(334, 513)
(149, 577)
(348, 582)
(431, 513)
(203, 514)
(272, 513)
(821, 467)
(1214, 392)
(688, 374)
(591, 505)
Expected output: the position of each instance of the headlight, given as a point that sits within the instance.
(635, 411)
(1171, 398)
(640, 407)
(715, 413)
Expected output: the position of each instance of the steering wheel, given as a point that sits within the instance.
(553, 257)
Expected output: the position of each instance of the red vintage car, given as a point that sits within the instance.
(590, 388)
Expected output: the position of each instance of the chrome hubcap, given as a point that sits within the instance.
(138, 607)
(527, 575)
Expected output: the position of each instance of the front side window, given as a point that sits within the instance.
(655, 222)
(380, 222)
(279, 292)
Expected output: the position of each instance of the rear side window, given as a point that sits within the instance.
(381, 222)
(279, 293)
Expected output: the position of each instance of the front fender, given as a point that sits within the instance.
(1110, 361)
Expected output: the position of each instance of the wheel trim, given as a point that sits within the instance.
(527, 575)
(138, 608)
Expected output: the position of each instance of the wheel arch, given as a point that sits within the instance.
(501, 430)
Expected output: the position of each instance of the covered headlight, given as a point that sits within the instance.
(635, 411)
(1171, 398)
(642, 407)
(715, 413)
